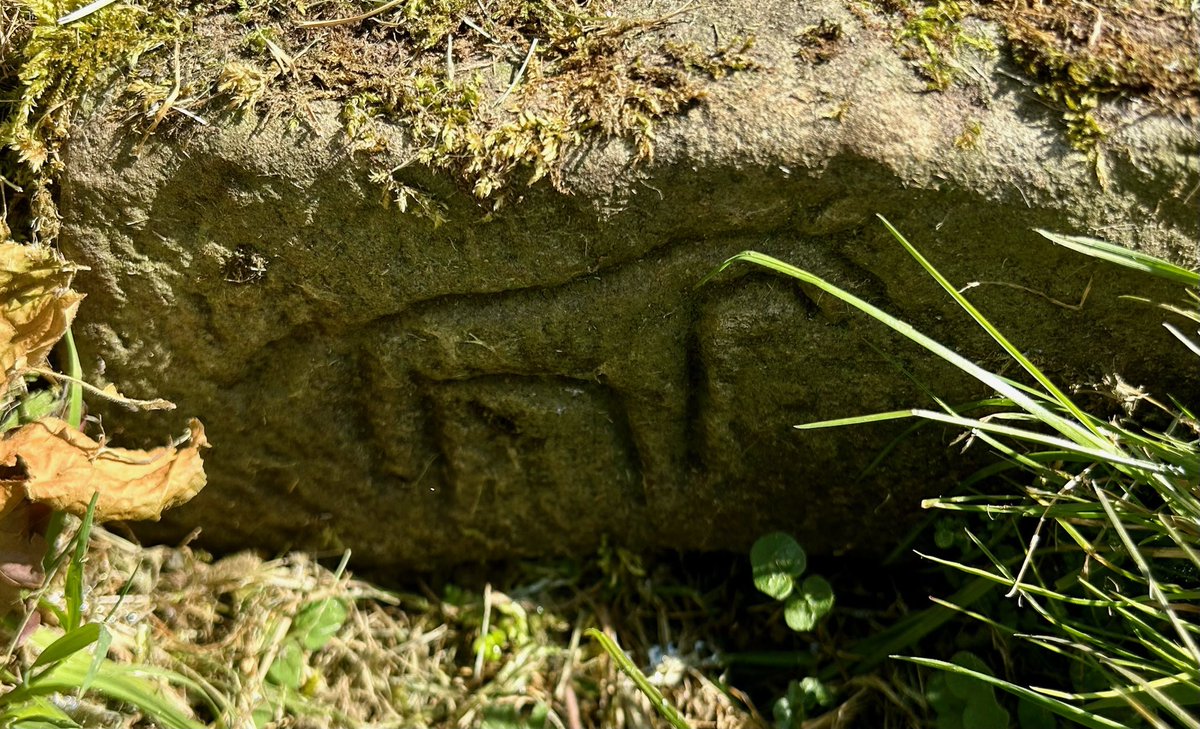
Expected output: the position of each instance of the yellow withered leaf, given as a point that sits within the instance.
(36, 304)
(63, 468)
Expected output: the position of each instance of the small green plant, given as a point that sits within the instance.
(778, 561)
(804, 698)
(290, 679)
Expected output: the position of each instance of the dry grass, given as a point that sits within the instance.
(407, 660)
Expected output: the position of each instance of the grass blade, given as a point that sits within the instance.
(85, 11)
(856, 420)
(127, 686)
(1061, 708)
(74, 391)
(1154, 590)
(872, 651)
(1124, 257)
(1066, 427)
(112, 680)
(1187, 342)
(660, 704)
(74, 417)
(992, 331)
(74, 581)
(103, 640)
(70, 643)
(1101, 455)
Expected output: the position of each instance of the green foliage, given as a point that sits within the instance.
(114, 681)
(508, 629)
(1031, 715)
(287, 670)
(289, 679)
(963, 702)
(812, 602)
(315, 624)
(63, 664)
(34, 406)
(1122, 510)
(1126, 258)
(511, 717)
(318, 622)
(777, 560)
(802, 700)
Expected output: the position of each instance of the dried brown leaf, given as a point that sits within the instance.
(64, 468)
(12, 492)
(36, 304)
(21, 548)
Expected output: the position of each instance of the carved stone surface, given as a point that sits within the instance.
(531, 383)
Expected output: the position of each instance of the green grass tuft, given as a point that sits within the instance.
(1101, 544)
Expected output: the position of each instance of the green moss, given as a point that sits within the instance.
(933, 38)
(591, 79)
(1083, 130)
(408, 198)
(557, 71)
(726, 59)
(969, 138)
(1081, 56)
(56, 66)
(243, 83)
(259, 40)
(498, 94)
(1144, 46)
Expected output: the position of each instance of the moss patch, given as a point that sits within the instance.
(1079, 56)
(1083, 54)
(505, 92)
(819, 43)
(47, 68)
(933, 37)
(488, 93)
